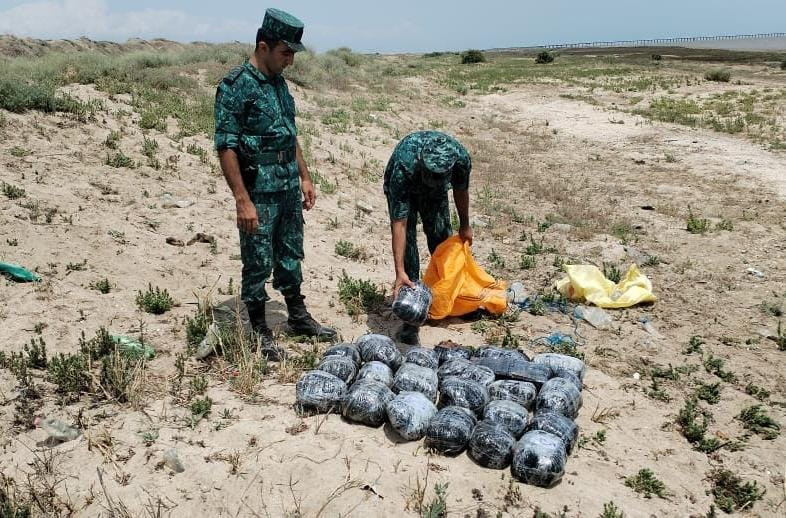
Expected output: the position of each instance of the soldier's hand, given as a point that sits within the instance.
(247, 219)
(402, 279)
(466, 234)
(309, 194)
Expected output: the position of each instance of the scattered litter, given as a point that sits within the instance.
(649, 327)
(587, 282)
(56, 429)
(201, 238)
(367, 487)
(755, 272)
(516, 293)
(636, 376)
(17, 273)
(172, 461)
(174, 241)
(169, 202)
(208, 344)
(132, 348)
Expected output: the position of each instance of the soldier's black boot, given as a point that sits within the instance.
(409, 334)
(302, 323)
(267, 343)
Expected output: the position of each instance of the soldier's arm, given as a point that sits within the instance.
(247, 219)
(461, 198)
(398, 230)
(306, 185)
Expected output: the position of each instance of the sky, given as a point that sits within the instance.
(395, 26)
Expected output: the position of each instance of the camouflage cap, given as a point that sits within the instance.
(280, 25)
(439, 154)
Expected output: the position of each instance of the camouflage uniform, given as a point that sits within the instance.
(255, 116)
(412, 191)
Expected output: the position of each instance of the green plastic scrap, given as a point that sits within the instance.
(133, 348)
(17, 273)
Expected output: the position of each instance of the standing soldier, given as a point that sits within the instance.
(260, 156)
(424, 166)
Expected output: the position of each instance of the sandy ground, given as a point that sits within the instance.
(543, 154)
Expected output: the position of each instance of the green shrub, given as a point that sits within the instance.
(756, 419)
(646, 483)
(359, 295)
(71, 375)
(783, 64)
(346, 55)
(656, 57)
(696, 225)
(102, 286)
(472, 56)
(119, 160)
(155, 301)
(731, 494)
(12, 192)
(720, 76)
(544, 57)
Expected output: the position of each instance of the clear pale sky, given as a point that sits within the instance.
(395, 26)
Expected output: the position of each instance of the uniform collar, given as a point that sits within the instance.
(259, 75)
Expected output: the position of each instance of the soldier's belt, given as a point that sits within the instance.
(275, 157)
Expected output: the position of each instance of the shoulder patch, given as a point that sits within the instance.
(233, 74)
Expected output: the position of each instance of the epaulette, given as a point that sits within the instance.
(233, 74)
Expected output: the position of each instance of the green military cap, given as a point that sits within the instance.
(280, 25)
(439, 154)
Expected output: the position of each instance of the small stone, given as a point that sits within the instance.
(364, 207)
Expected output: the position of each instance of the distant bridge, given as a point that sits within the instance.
(670, 42)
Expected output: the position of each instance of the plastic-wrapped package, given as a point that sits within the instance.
(409, 413)
(450, 429)
(422, 356)
(349, 350)
(568, 375)
(414, 378)
(453, 367)
(376, 371)
(499, 352)
(539, 459)
(559, 395)
(521, 392)
(520, 370)
(451, 352)
(341, 367)
(507, 414)
(466, 393)
(491, 445)
(562, 362)
(412, 304)
(465, 369)
(556, 424)
(367, 402)
(374, 347)
(319, 391)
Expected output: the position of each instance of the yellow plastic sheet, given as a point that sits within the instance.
(587, 282)
(458, 285)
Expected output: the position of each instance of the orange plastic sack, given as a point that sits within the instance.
(458, 285)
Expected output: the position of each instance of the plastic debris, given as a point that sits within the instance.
(413, 378)
(520, 370)
(409, 413)
(507, 414)
(366, 402)
(132, 348)
(650, 328)
(587, 282)
(169, 202)
(348, 350)
(422, 356)
(568, 375)
(450, 429)
(56, 429)
(491, 445)
(18, 273)
(376, 347)
(201, 237)
(319, 391)
(596, 317)
(174, 241)
(208, 344)
(339, 366)
(516, 293)
(559, 395)
(521, 392)
(539, 459)
(462, 392)
(172, 461)
(412, 304)
(562, 362)
(755, 272)
(376, 371)
(556, 424)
